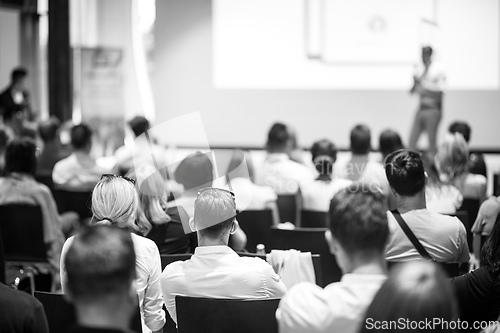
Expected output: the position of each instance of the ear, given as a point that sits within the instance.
(192, 226)
(332, 243)
(234, 227)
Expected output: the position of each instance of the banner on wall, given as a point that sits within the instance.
(102, 96)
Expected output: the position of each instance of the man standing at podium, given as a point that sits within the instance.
(429, 80)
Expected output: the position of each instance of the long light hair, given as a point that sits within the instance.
(452, 158)
(115, 202)
(152, 191)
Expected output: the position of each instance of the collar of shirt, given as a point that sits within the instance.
(216, 249)
(278, 156)
(362, 278)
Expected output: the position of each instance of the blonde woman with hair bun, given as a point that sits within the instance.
(452, 162)
(156, 220)
(115, 201)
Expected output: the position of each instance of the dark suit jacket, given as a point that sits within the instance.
(7, 101)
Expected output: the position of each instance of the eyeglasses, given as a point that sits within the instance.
(109, 175)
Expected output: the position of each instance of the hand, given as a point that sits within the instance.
(473, 262)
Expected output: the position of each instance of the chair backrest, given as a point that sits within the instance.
(308, 240)
(451, 269)
(167, 259)
(72, 201)
(313, 219)
(471, 206)
(21, 230)
(61, 314)
(288, 207)
(257, 226)
(316, 259)
(195, 314)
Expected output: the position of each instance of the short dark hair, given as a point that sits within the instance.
(48, 129)
(18, 73)
(358, 220)
(278, 137)
(460, 127)
(360, 140)
(195, 171)
(139, 125)
(405, 172)
(20, 156)
(81, 136)
(389, 142)
(100, 262)
(324, 148)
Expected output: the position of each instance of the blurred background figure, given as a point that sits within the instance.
(476, 160)
(15, 97)
(389, 141)
(53, 151)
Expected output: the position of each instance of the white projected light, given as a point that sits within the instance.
(355, 44)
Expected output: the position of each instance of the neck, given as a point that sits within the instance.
(406, 204)
(206, 241)
(324, 178)
(116, 315)
(375, 265)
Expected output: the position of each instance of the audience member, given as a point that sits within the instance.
(139, 151)
(20, 187)
(249, 196)
(452, 162)
(194, 173)
(279, 171)
(485, 221)
(478, 291)
(440, 197)
(78, 171)
(161, 224)
(215, 270)
(100, 266)
(53, 151)
(389, 141)
(357, 237)
(16, 120)
(5, 138)
(115, 202)
(476, 160)
(317, 194)
(443, 237)
(414, 294)
(21, 312)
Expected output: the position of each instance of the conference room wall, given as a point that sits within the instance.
(182, 83)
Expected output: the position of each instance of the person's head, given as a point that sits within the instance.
(358, 226)
(214, 216)
(426, 54)
(81, 137)
(139, 125)
(49, 129)
(452, 157)
(389, 142)
(417, 292)
(460, 127)
(490, 252)
(194, 172)
(405, 172)
(279, 139)
(100, 267)
(17, 77)
(360, 140)
(115, 202)
(324, 155)
(152, 190)
(20, 156)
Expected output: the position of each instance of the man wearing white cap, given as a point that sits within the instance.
(215, 270)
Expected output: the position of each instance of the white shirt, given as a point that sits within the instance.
(77, 172)
(138, 153)
(251, 196)
(317, 194)
(219, 272)
(282, 174)
(444, 237)
(442, 198)
(471, 186)
(360, 169)
(340, 307)
(148, 270)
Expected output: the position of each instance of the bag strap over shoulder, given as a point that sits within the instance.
(411, 236)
